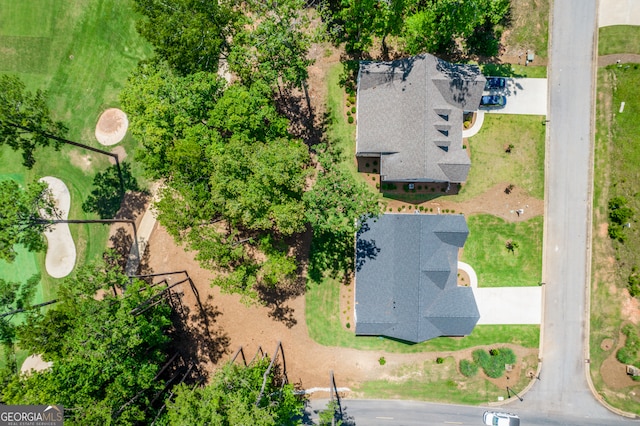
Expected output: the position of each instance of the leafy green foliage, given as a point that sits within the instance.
(329, 416)
(630, 352)
(25, 119)
(105, 356)
(493, 363)
(334, 205)
(22, 217)
(191, 35)
(274, 48)
(619, 215)
(468, 368)
(234, 177)
(106, 197)
(233, 398)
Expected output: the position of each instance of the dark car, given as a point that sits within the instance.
(494, 83)
(493, 101)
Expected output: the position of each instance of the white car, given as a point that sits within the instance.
(494, 418)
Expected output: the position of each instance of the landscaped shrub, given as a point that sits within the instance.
(439, 360)
(493, 365)
(353, 110)
(399, 208)
(468, 368)
(375, 162)
(366, 164)
(375, 170)
(630, 352)
(350, 120)
(348, 325)
(382, 361)
(619, 216)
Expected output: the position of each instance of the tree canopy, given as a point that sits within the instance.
(106, 355)
(24, 216)
(233, 398)
(191, 35)
(25, 119)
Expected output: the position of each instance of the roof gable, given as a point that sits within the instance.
(409, 290)
(411, 111)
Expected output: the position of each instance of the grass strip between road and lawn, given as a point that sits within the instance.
(617, 156)
(442, 382)
(618, 39)
(497, 266)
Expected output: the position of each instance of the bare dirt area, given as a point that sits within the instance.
(613, 372)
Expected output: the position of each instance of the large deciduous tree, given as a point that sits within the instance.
(106, 353)
(191, 35)
(233, 398)
(24, 216)
(274, 49)
(233, 174)
(25, 119)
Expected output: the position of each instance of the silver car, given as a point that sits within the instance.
(494, 418)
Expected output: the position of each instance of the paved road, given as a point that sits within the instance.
(408, 413)
(563, 386)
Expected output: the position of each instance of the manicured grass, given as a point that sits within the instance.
(437, 382)
(619, 39)
(615, 173)
(495, 265)
(490, 164)
(323, 307)
(81, 53)
(529, 28)
(509, 70)
(340, 132)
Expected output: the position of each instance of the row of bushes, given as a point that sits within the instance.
(492, 362)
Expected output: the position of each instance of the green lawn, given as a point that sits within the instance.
(619, 39)
(509, 70)
(491, 165)
(439, 382)
(529, 27)
(81, 53)
(323, 321)
(615, 173)
(496, 266)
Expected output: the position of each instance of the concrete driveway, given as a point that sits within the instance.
(524, 96)
(505, 305)
(618, 12)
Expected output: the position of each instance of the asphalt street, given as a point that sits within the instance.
(563, 387)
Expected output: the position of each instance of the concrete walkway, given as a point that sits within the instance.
(477, 125)
(618, 12)
(145, 228)
(505, 305)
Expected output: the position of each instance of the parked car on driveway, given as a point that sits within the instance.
(493, 101)
(494, 83)
(494, 418)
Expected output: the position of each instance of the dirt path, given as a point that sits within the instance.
(624, 58)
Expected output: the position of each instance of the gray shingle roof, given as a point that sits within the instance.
(410, 112)
(406, 278)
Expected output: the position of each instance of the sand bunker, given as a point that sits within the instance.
(112, 126)
(61, 251)
(34, 363)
